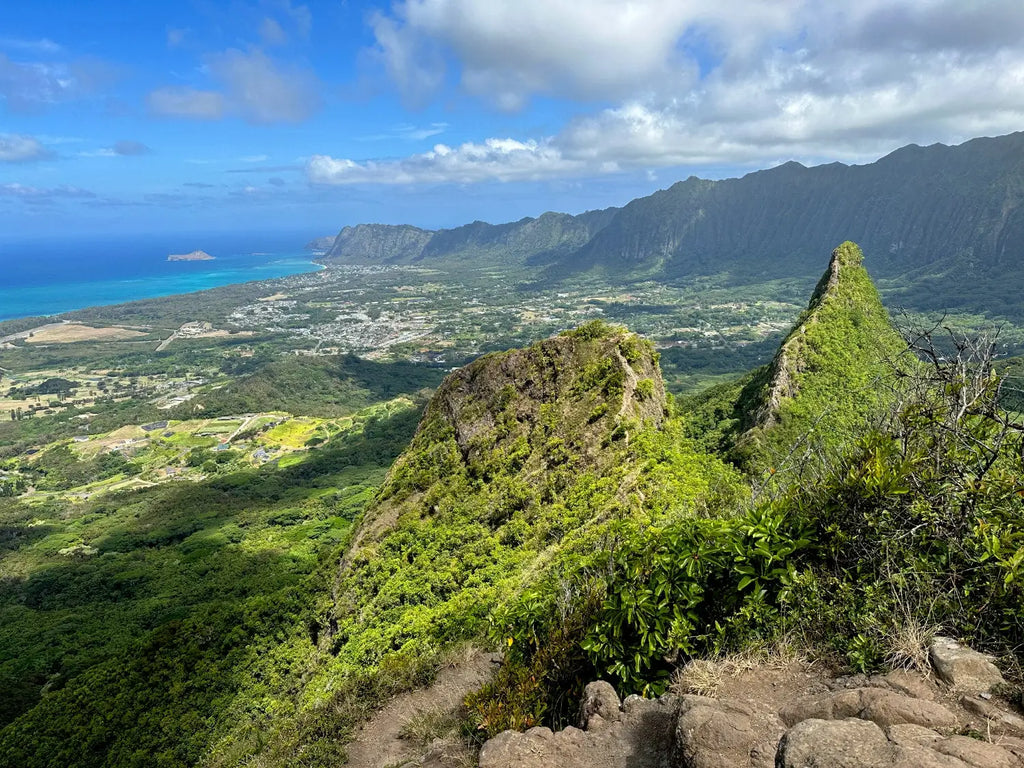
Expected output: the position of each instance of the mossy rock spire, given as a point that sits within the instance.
(834, 369)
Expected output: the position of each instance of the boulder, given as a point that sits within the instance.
(962, 668)
(599, 698)
(894, 709)
(883, 707)
(849, 743)
(911, 684)
(636, 736)
(710, 737)
(976, 753)
(999, 720)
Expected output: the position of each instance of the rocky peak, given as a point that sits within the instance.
(379, 243)
(831, 370)
(584, 385)
(568, 404)
(844, 282)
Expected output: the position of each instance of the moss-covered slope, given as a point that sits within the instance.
(832, 372)
(515, 453)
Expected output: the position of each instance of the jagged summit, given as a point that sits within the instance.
(831, 371)
(562, 403)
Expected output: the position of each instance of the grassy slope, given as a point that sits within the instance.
(831, 372)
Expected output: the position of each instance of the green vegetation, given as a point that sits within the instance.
(915, 522)
(834, 369)
(219, 555)
(150, 606)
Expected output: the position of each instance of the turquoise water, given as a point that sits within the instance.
(53, 276)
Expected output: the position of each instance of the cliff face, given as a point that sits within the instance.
(378, 243)
(566, 402)
(544, 239)
(932, 208)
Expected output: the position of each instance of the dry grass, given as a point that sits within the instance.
(906, 646)
(907, 641)
(700, 676)
(703, 677)
(423, 727)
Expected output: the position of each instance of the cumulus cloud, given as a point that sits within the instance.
(601, 49)
(253, 87)
(500, 159)
(17, 148)
(706, 82)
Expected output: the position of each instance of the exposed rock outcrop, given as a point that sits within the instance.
(779, 719)
(963, 668)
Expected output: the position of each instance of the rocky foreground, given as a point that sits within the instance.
(790, 718)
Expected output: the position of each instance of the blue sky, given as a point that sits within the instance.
(282, 115)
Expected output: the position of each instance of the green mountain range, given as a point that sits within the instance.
(943, 226)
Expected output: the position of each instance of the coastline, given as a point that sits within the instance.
(139, 293)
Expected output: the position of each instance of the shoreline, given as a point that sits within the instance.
(317, 267)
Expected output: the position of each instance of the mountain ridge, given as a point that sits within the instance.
(925, 217)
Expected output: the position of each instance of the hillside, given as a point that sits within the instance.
(946, 221)
(553, 503)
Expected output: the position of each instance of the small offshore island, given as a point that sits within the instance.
(194, 256)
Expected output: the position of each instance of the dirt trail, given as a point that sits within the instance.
(378, 742)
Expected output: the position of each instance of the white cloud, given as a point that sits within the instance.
(127, 147)
(500, 159)
(18, 148)
(263, 92)
(408, 132)
(41, 46)
(705, 82)
(176, 37)
(600, 49)
(123, 148)
(300, 16)
(45, 194)
(31, 86)
(413, 62)
(186, 102)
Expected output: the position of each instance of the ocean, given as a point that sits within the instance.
(47, 277)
